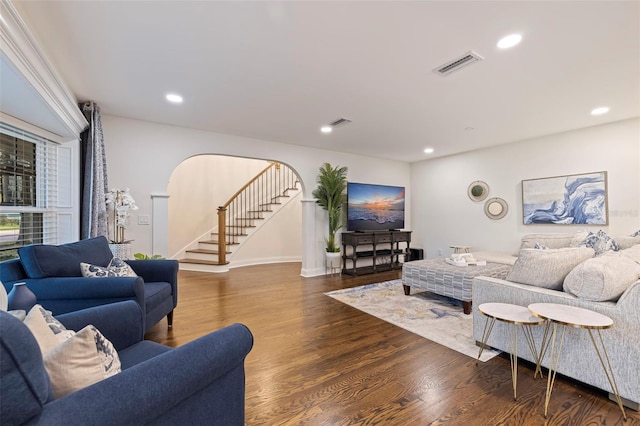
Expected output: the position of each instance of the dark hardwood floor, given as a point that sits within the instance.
(317, 361)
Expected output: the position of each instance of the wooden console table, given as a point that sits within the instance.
(377, 251)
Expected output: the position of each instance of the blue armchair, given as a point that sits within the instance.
(53, 274)
(202, 382)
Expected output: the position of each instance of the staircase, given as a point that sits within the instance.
(242, 215)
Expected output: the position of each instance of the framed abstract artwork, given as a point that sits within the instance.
(568, 200)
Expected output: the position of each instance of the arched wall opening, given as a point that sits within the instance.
(201, 183)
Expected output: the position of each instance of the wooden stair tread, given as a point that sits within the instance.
(201, 262)
(205, 251)
(215, 242)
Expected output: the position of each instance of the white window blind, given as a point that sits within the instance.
(28, 190)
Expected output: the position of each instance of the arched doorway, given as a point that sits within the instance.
(199, 185)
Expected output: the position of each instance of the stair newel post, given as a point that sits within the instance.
(222, 235)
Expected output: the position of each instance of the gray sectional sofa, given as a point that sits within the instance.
(608, 284)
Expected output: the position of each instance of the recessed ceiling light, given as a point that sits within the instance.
(172, 97)
(509, 41)
(428, 150)
(326, 129)
(600, 110)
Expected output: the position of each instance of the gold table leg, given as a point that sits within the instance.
(609, 373)
(488, 326)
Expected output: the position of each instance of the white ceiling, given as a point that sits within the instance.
(279, 70)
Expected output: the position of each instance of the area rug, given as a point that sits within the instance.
(437, 318)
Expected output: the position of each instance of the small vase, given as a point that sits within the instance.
(21, 298)
(121, 250)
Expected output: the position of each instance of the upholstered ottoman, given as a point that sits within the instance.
(437, 276)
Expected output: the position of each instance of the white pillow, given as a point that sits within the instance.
(47, 330)
(115, 268)
(602, 278)
(80, 361)
(547, 268)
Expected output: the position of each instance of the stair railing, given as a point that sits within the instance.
(250, 202)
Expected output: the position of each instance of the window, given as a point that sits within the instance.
(27, 190)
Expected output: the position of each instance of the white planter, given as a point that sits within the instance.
(333, 262)
(121, 251)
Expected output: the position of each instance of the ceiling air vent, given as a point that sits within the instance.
(457, 64)
(339, 122)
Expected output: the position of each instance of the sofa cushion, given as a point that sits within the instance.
(626, 241)
(116, 268)
(547, 268)
(41, 261)
(82, 360)
(25, 384)
(155, 293)
(632, 252)
(552, 241)
(602, 278)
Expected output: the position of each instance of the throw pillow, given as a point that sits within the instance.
(602, 278)
(547, 268)
(115, 268)
(47, 330)
(539, 246)
(636, 234)
(600, 242)
(82, 360)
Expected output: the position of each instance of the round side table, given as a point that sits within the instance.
(572, 316)
(514, 315)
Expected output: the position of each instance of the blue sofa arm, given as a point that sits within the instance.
(126, 331)
(202, 382)
(164, 270)
(12, 270)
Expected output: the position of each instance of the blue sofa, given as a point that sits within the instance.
(202, 382)
(53, 274)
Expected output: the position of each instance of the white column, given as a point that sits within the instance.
(160, 224)
(310, 267)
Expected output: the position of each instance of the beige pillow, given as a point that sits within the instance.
(547, 268)
(602, 278)
(47, 330)
(82, 360)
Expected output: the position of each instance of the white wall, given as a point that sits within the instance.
(444, 215)
(143, 155)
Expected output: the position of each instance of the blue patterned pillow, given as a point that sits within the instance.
(539, 246)
(600, 242)
(115, 268)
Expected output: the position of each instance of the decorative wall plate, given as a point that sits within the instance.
(496, 208)
(478, 190)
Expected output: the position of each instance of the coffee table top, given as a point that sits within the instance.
(507, 312)
(571, 316)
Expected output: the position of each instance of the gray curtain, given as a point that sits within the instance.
(94, 220)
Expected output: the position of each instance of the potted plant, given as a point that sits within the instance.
(330, 194)
(122, 203)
